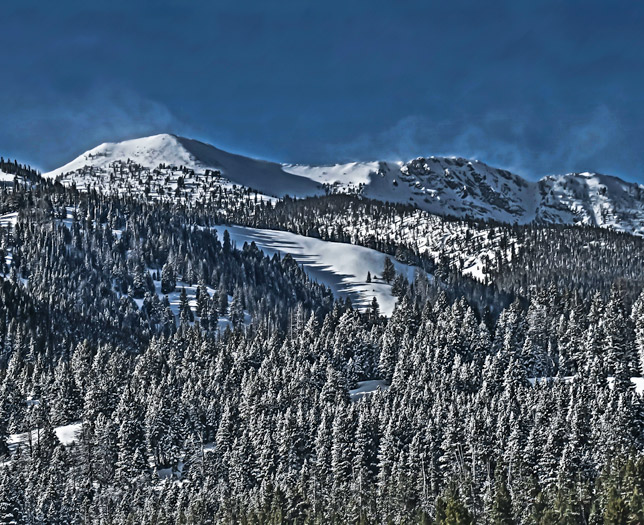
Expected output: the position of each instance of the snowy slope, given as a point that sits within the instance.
(351, 175)
(458, 187)
(67, 434)
(441, 185)
(147, 151)
(170, 167)
(366, 388)
(592, 199)
(165, 149)
(471, 189)
(342, 267)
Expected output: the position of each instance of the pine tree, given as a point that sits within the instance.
(618, 343)
(213, 313)
(10, 506)
(341, 452)
(637, 318)
(616, 508)
(502, 506)
(237, 308)
(451, 511)
(168, 279)
(139, 282)
(185, 311)
(389, 270)
(67, 402)
(130, 438)
(222, 307)
(227, 245)
(374, 311)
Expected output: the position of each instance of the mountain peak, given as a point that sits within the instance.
(172, 150)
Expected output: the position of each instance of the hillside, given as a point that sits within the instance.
(164, 158)
(151, 345)
(340, 266)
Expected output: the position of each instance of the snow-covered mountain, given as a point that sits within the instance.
(165, 166)
(471, 189)
(592, 199)
(441, 185)
(167, 153)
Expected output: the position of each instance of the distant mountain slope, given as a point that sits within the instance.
(592, 199)
(471, 189)
(172, 151)
(442, 185)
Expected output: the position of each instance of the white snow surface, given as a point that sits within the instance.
(366, 388)
(352, 174)
(8, 219)
(267, 177)
(67, 434)
(342, 267)
(639, 384)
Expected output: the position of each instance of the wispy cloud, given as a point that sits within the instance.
(521, 142)
(106, 113)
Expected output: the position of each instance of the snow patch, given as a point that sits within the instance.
(366, 388)
(342, 267)
(67, 434)
(8, 219)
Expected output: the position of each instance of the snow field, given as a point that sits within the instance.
(8, 219)
(340, 266)
(366, 388)
(67, 434)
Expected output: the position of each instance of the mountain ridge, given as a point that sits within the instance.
(452, 186)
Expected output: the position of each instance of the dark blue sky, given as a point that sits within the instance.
(537, 87)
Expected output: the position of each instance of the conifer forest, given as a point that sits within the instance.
(155, 371)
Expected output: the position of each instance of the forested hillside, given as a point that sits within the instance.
(507, 259)
(154, 372)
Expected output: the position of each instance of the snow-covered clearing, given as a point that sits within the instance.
(342, 267)
(6, 177)
(366, 388)
(639, 384)
(174, 298)
(67, 434)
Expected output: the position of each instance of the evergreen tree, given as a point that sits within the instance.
(389, 270)
(502, 506)
(168, 279)
(185, 311)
